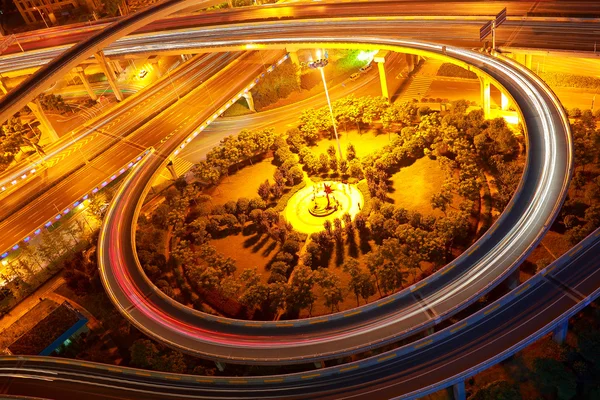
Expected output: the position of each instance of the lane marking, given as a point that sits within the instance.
(318, 321)
(425, 343)
(273, 380)
(388, 357)
(385, 302)
(492, 309)
(352, 313)
(458, 328)
(310, 376)
(448, 269)
(575, 250)
(349, 368)
(473, 250)
(524, 288)
(142, 373)
(419, 286)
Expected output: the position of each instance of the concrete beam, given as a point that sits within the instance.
(3, 87)
(249, 100)
(560, 332)
(45, 125)
(81, 74)
(485, 96)
(99, 56)
(505, 101)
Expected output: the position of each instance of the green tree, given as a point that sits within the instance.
(143, 353)
(300, 294)
(553, 378)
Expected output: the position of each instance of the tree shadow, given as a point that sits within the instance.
(339, 253)
(352, 246)
(259, 245)
(252, 240)
(269, 248)
(365, 246)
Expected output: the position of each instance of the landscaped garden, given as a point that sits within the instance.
(281, 225)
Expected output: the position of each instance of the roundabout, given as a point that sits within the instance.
(529, 214)
(309, 208)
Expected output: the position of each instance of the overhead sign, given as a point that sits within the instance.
(501, 17)
(485, 30)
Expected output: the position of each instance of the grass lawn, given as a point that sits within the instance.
(243, 183)
(365, 144)
(249, 252)
(414, 185)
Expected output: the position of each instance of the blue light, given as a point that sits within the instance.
(104, 183)
(57, 217)
(122, 170)
(76, 204)
(26, 239)
(37, 231)
(86, 197)
(112, 178)
(66, 211)
(4, 255)
(48, 223)
(15, 247)
(95, 190)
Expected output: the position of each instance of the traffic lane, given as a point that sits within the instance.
(77, 184)
(565, 35)
(51, 38)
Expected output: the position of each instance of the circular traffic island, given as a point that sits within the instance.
(311, 206)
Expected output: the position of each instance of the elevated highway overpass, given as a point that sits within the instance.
(541, 112)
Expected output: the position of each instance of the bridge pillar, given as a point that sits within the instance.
(505, 101)
(250, 101)
(3, 87)
(410, 62)
(560, 332)
(45, 125)
(117, 66)
(528, 58)
(81, 74)
(99, 56)
(319, 364)
(485, 96)
(294, 56)
(230, 3)
(379, 58)
(459, 391)
(171, 169)
(220, 366)
(513, 280)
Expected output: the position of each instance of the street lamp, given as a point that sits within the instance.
(41, 15)
(320, 64)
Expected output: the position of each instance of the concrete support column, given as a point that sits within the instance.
(171, 169)
(45, 125)
(3, 87)
(459, 391)
(117, 66)
(528, 58)
(250, 101)
(230, 3)
(383, 80)
(560, 332)
(294, 56)
(220, 366)
(319, 364)
(505, 101)
(379, 58)
(86, 83)
(485, 96)
(410, 62)
(513, 280)
(99, 56)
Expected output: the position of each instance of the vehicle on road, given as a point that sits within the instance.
(355, 76)
(366, 68)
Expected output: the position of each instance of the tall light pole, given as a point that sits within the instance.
(320, 64)
(41, 15)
